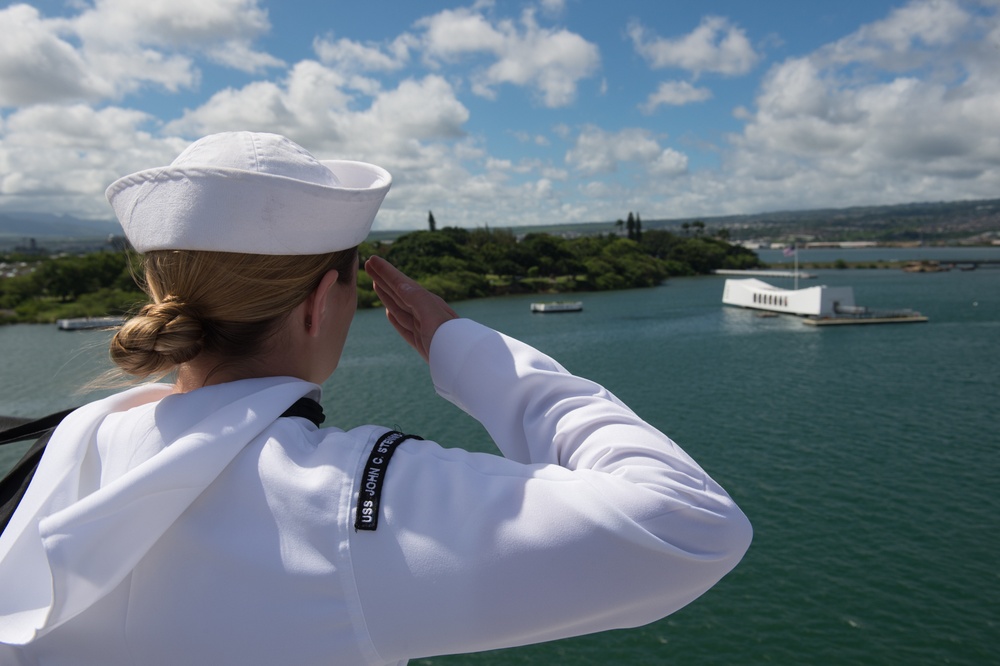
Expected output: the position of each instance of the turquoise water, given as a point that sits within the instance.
(865, 456)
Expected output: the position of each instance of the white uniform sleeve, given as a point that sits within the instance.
(593, 521)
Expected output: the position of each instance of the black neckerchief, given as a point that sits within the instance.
(307, 408)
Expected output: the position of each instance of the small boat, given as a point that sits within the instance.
(88, 323)
(557, 306)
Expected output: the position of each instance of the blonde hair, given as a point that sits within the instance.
(220, 303)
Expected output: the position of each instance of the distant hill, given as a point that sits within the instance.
(931, 222)
(44, 226)
(956, 221)
(945, 221)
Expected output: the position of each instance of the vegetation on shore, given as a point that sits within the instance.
(459, 264)
(454, 263)
(41, 289)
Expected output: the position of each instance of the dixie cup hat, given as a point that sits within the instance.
(249, 192)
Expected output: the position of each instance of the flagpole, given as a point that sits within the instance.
(796, 246)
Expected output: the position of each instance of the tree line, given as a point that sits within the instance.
(452, 262)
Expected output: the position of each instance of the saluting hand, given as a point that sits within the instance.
(415, 312)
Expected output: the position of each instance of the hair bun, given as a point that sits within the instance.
(160, 337)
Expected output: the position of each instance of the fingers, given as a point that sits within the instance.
(400, 295)
(413, 311)
(388, 280)
(406, 333)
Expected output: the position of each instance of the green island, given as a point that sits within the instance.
(455, 263)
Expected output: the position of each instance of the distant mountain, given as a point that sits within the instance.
(930, 222)
(47, 226)
(927, 221)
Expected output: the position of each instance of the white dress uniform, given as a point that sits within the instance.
(201, 528)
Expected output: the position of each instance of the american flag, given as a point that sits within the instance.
(789, 251)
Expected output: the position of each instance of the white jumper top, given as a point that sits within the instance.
(201, 528)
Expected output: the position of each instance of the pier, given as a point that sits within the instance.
(937, 266)
(914, 318)
(971, 264)
(760, 273)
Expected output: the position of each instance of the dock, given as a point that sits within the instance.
(851, 321)
(761, 273)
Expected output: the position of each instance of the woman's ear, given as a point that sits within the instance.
(316, 301)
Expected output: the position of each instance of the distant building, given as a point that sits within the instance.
(30, 248)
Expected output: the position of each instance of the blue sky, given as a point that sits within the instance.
(511, 113)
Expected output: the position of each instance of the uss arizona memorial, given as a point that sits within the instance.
(820, 305)
(819, 301)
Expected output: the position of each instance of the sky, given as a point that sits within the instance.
(502, 114)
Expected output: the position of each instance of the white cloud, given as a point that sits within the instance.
(494, 164)
(553, 173)
(917, 122)
(552, 7)
(525, 137)
(902, 109)
(169, 23)
(241, 56)
(37, 65)
(552, 62)
(716, 46)
(927, 22)
(315, 106)
(415, 130)
(670, 163)
(419, 110)
(116, 47)
(675, 93)
(131, 38)
(597, 151)
(259, 105)
(454, 33)
(598, 190)
(543, 188)
(61, 158)
(351, 55)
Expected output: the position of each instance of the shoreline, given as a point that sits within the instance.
(912, 265)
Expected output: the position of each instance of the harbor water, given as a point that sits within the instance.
(865, 456)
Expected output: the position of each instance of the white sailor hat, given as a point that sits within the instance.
(252, 193)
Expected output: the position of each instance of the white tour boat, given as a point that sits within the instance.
(88, 323)
(557, 306)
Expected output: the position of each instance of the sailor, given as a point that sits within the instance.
(210, 520)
